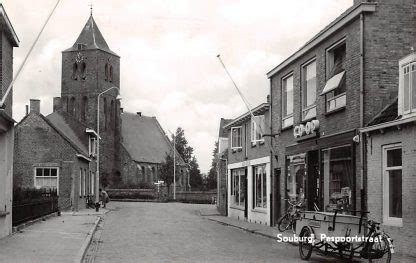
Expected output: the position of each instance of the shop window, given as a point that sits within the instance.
(236, 140)
(257, 128)
(287, 101)
(392, 185)
(238, 188)
(407, 86)
(338, 177)
(309, 90)
(259, 187)
(46, 177)
(335, 87)
(92, 183)
(296, 180)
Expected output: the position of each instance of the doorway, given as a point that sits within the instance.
(313, 189)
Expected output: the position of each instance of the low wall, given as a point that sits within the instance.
(203, 197)
(147, 194)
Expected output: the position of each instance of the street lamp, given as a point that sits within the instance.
(174, 165)
(97, 174)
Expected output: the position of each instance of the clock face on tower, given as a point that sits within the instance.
(79, 57)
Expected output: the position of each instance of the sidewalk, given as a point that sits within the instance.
(57, 239)
(270, 232)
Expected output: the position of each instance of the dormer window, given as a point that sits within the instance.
(407, 85)
(81, 46)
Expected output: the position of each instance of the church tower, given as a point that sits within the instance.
(89, 67)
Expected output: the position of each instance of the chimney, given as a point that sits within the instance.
(27, 110)
(35, 106)
(57, 106)
(139, 113)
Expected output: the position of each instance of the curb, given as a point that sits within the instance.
(84, 214)
(87, 241)
(250, 231)
(15, 229)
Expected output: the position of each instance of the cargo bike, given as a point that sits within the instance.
(348, 236)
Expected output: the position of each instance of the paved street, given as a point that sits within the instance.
(175, 232)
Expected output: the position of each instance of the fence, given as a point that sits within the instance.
(29, 204)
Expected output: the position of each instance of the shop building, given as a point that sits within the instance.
(323, 93)
(222, 160)
(391, 167)
(249, 166)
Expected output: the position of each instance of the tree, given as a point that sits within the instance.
(166, 170)
(195, 177)
(181, 145)
(211, 182)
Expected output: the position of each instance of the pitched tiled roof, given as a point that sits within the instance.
(144, 138)
(91, 37)
(222, 131)
(389, 113)
(71, 129)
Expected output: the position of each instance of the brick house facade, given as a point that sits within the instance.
(336, 82)
(69, 166)
(249, 180)
(8, 40)
(222, 170)
(390, 158)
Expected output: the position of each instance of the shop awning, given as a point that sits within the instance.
(333, 83)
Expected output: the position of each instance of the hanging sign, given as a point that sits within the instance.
(309, 128)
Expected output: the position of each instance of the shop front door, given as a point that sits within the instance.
(313, 181)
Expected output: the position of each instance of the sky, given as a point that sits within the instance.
(168, 49)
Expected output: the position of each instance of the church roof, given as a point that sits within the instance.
(91, 38)
(144, 139)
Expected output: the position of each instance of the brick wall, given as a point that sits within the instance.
(382, 53)
(33, 140)
(93, 84)
(404, 237)
(6, 70)
(222, 186)
(249, 151)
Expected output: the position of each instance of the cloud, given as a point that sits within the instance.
(168, 54)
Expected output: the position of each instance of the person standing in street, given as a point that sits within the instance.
(103, 197)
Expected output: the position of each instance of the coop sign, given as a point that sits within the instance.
(309, 128)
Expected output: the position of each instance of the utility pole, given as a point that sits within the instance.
(174, 167)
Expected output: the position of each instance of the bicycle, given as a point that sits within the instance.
(288, 220)
(375, 245)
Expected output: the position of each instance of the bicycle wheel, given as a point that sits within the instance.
(379, 250)
(305, 246)
(283, 223)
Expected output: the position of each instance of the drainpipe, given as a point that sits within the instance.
(363, 181)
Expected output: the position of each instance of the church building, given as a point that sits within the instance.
(63, 144)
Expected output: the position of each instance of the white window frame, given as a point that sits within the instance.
(287, 120)
(262, 180)
(406, 64)
(84, 186)
(342, 97)
(241, 139)
(306, 108)
(92, 183)
(387, 220)
(80, 182)
(47, 167)
(92, 146)
(256, 123)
